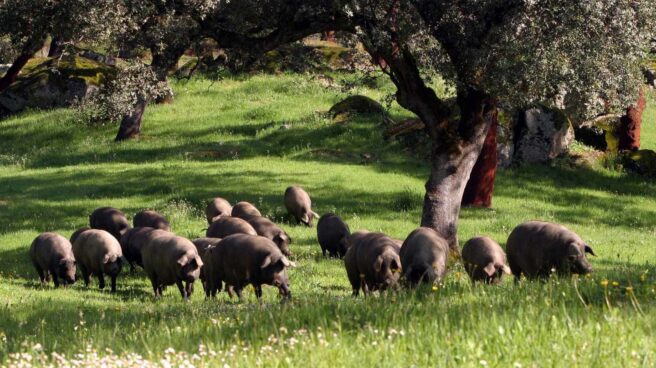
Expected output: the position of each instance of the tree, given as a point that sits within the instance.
(27, 24)
(244, 29)
(553, 52)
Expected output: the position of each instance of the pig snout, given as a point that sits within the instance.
(284, 291)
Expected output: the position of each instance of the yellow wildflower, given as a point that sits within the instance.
(615, 283)
(604, 283)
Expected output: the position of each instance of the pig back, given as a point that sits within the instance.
(225, 226)
(48, 249)
(424, 247)
(93, 246)
(240, 256)
(160, 256)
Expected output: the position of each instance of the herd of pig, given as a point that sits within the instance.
(244, 248)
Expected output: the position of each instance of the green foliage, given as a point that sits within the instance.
(243, 140)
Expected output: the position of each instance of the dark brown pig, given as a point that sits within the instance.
(52, 254)
(245, 211)
(170, 259)
(216, 208)
(202, 245)
(333, 235)
(266, 228)
(484, 260)
(299, 205)
(111, 220)
(242, 259)
(148, 218)
(372, 262)
(224, 226)
(535, 248)
(133, 241)
(423, 257)
(97, 252)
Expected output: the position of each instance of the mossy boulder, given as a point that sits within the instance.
(642, 162)
(48, 83)
(359, 105)
(542, 135)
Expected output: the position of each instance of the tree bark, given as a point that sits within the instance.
(131, 123)
(452, 160)
(56, 48)
(480, 187)
(630, 124)
(12, 74)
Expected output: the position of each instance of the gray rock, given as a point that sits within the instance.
(543, 136)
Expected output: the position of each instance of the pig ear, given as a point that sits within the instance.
(199, 261)
(183, 260)
(378, 264)
(490, 269)
(305, 219)
(105, 259)
(314, 214)
(266, 262)
(506, 269)
(573, 250)
(287, 263)
(588, 249)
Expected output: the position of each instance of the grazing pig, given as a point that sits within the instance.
(224, 226)
(97, 252)
(333, 234)
(170, 259)
(133, 241)
(152, 219)
(372, 262)
(299, 205)
(243, 259)
(423, 257)
(245, 211)
(266, 228)
(535, 248)
(52, 254)
(202, 245)
(111, 220)
(218, 207)
(78, 232)
(484, 260)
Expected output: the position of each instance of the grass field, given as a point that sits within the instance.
(248, 139)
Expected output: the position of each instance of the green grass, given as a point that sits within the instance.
(248, 139)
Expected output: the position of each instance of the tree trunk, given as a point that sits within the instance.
(163, 64)
(452, 160)
(629, 134)
(12, 73)
(56, 48)
(131, 123)
(480, 187)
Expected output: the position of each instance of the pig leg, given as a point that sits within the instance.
(181, 287)
(258, 291)
(113, 283)
(85, 276)
(42, 274)
(189, 288)
(101, 280)
(238, 292)
(55, 279)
